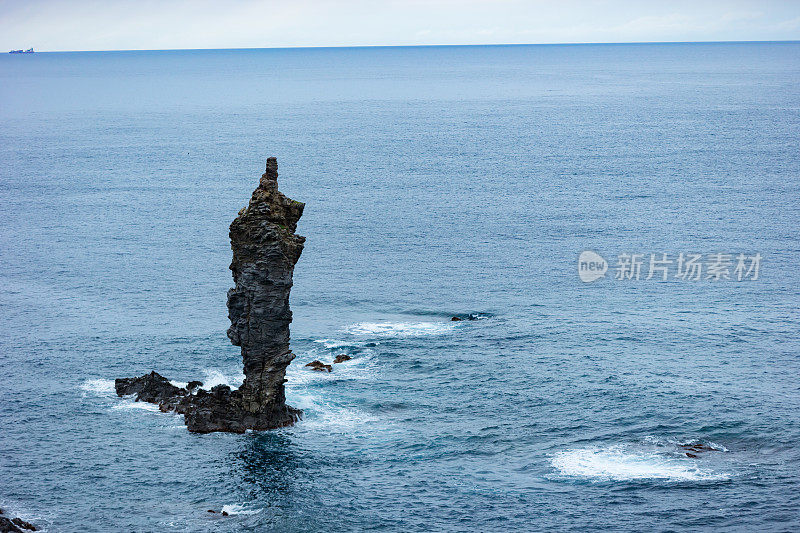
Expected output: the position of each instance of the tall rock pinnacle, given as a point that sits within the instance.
(265, 250)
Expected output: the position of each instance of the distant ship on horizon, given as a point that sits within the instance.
(28, 51)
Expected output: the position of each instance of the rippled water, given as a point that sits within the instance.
(438, 182)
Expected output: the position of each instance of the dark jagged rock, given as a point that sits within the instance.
(341, 358)
(456, 319)
(13, 525)
(19, 522)
(319, 366)
(216, 410)
(152, 388)
(265, 250)
(7, 526)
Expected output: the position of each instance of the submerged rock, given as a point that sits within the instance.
(692, 450)
(319, 366)
(265, 250)
(341, 358)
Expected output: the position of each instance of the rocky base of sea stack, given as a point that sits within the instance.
(204, 411)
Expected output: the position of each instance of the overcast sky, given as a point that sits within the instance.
(163, 24)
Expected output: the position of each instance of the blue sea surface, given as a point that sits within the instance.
(438, 182)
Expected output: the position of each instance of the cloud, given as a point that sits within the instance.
(149, 24)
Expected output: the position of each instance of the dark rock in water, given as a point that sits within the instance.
(193, 385)
(698, 448)
(216, 410)
(7, 526)
(152, 388)
(341, 358)
(13, 525)
(456, 319)
(19, 522)
(211, 511)
(265, 250)
(319, 366)
(224, 513)
(693, 449)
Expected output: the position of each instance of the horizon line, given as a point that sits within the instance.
(415, 46)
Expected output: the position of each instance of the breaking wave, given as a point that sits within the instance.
(235, 508)
(213, 377)
(625, 463)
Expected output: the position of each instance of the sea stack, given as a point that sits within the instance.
(265, 250)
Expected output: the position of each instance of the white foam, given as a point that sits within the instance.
(235, 508)
(319, 413)
(98, 386)
(214, 377)
(400, 329)
(129, 403)
(41, 518)
(670, 441)
(179, 384)
(360, 367)
(621, 463)
(302, 375)
(333, 344)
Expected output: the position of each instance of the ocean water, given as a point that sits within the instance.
(438, 181)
